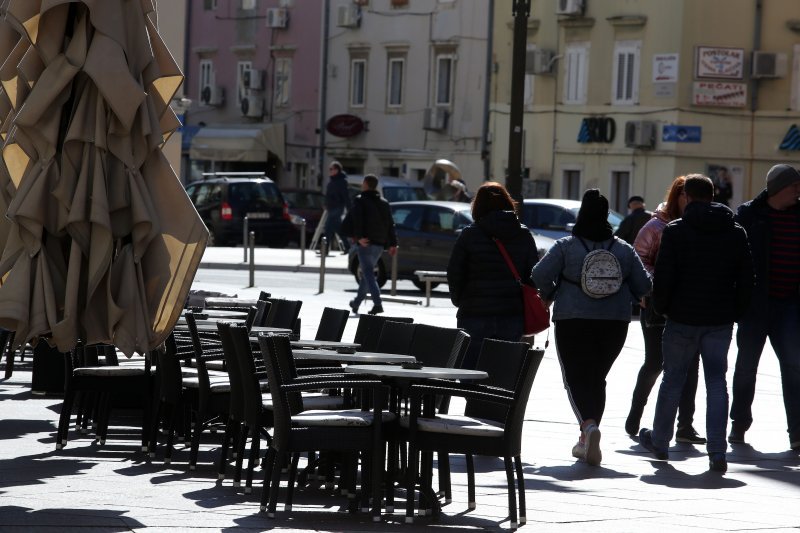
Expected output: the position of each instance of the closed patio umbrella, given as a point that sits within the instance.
(101, 241)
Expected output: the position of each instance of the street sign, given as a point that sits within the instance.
(673, 133)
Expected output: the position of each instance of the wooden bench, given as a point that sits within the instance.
(428, 277)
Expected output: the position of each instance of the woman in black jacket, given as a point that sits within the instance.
(488, 298)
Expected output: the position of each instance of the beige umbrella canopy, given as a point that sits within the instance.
(101, 242)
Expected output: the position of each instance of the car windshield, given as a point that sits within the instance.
(254, 193)
(404, 194)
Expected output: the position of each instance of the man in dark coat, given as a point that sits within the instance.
(702, 283)
(631, 224)
(373, 231)
(772, 222)
(337, 199)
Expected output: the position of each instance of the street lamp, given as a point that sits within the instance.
(521, 11)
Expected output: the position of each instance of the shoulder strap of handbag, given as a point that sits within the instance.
(509, 262)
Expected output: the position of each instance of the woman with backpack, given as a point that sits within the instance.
(593, 277)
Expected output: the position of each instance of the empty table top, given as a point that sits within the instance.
(357, 357)
(426, 372)
(330, 345)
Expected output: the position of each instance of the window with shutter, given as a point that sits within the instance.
(283, 76)
(576, 73)
(625, 79)
(241, 88)
(395, 82)
(358, 80)
(206, 74)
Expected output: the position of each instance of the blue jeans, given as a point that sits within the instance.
(332, 224)
(681, 342)
(781, 324)
(367, 258)
(505, 328)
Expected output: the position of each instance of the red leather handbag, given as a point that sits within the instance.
(537, 315)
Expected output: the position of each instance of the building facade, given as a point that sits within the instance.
(412, 77)
(253, 75)
(171, 23)
(625, 95)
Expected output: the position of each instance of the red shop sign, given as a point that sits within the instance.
(344, 125)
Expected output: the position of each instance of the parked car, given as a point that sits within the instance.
(306, 204)
(223, 199)
(391, 188)
(554, 218)
(426, 233)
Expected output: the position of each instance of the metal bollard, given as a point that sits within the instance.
(394, 273)
(303, 241)
(323, 253)
(245, 233)
(252, 259)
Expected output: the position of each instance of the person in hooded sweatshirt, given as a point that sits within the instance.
(702, 283)
(482, 287)
(589, 331)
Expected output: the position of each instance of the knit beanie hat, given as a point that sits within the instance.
(781, 176)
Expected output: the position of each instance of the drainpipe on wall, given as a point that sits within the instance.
(487, 97)
(754, 94)
(323, 90)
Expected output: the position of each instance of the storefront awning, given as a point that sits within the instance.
(239, 143)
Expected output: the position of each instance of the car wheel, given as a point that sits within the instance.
(421, 284)
(380, 272)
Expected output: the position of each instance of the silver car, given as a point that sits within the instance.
(554, 217)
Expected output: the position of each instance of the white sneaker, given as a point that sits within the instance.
(579, 451)
(591, 438)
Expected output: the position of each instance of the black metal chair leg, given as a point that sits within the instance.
(470, 481)
(251, 463)
(521, 487)
(512, 495)
(242, 443)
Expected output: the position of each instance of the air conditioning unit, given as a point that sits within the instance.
(252, 106)
(212, 95)
(435, 118)
(640, 134)
(277, 17)
(570, 7)
(349, 16)
(539, 62)
(253, 79)
(769, 65)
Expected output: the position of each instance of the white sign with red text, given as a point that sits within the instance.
(719, 93)
(665, 68)
(719, 62)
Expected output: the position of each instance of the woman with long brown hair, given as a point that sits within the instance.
(487, 295)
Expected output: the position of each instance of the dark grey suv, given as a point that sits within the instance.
(223, 199)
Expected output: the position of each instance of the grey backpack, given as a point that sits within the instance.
(601, 274)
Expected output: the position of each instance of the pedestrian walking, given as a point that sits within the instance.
(702, 283)
(337, 200)
(646, 245)
(772, 222)
(373, 231)
(482, 287)
(637, 217)
(593, 278)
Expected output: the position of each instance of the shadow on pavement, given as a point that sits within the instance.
(668, 476)
(65, 519)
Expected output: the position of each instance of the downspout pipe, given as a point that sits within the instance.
(323, 110)
(485, 153)
(757, 22)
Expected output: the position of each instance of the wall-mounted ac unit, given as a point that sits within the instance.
(539, 62)
(769, 65)
(349, 16)
(277, 17)
(640, 134)
(253, 79)
(570, 7)
(435, 118)
(253, 106)
(212, 95)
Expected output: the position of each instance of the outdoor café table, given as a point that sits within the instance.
(400, 379)
(357, 357)
(329, 345)
(211, 325)
(223, 313)
(224, 301)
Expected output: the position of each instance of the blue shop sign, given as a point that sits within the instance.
(681, 134)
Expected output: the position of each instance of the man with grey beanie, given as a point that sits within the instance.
(772, 222)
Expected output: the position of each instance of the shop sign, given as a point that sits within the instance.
(719, 93)
(665, 68)
(597, 130)
(344, 125)
(719, 62)
(673, 133)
